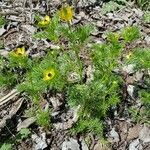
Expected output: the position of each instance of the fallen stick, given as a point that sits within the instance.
(8, 97)
(12, 112)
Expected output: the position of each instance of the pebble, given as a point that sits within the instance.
(2, 31)
(72, 144)
(129, 68)
(130, 90)
(144, 134)
(147, 39)
(135, 145)
(40, 142)
(114, 135)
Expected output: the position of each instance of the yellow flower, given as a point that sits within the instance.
(45, 21)
(48, 74)
(129, 55)
(19, 52)
(66, 13)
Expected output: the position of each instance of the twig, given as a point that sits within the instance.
(8, 97)
(8, 13)
(10, 132)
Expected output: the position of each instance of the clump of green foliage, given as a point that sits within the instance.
(2, 21)
(51, 31)
(129, 34)
(140, 57)
(13, 70)
(52, 72)
(103, 93)
(43, 118)
(34, 82)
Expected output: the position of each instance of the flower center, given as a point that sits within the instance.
(49, 75)
(19, 54)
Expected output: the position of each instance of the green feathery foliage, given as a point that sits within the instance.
(35, 82)
(130, 34)
(140, 57)
(63, 70)
(2, 21)
(43, 118)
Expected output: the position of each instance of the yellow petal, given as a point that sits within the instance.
(19, 52)
(47, 18)
(45, 21)
(66, 13)
(129, 55)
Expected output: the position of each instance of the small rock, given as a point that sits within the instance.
(55, 113)
(56, 2)
(96, 16)
(29, 28)
(75, 114)
(97, 41)
(114, 135)
(66, 123)
(26, 123)
(122, 128)
(146, 30)
(139, 76)
(72, 144)
(2, 30)
(144, 134)
(129, 68)
(110, 15)
(16, 18)
(54, 46)
(4, 53)
(134, 132)
(135, 145)
(89, 73)
(40, 142)
(56, 101)
(82, 14)
(138, 12)
(147, 39)
(73, 77)
(99, 24)
(84, 145)
(120, 25)
(14, 23)
(130, 90)
(82, 3)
